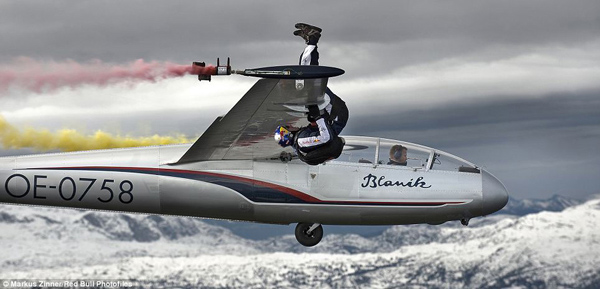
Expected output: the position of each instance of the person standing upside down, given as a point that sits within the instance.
(319, 141)
(336, 109)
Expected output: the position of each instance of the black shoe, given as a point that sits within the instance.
(310, 34)
(307, 27)
(309, 39)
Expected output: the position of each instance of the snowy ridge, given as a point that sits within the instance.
(41, 237)
(547, 249)
(556, 203)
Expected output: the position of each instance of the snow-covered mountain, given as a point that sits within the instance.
(41, 237)
(547, 249)
(523, 207)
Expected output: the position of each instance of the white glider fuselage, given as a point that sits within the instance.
(347, 191)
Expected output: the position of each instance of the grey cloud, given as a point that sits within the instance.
(556, 110)
(183, 29)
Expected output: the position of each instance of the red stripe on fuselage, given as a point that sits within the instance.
(285, 190)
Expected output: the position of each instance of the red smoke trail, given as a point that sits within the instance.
(42, 76)
(208, 70)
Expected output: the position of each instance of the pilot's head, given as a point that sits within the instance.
(398, 154)
(283, 136)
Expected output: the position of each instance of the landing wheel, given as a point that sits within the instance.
(309, 234)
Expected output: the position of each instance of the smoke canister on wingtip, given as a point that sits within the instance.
(199, 68)
(205, 72)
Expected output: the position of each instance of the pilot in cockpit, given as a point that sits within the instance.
(398, 155)
(319, 141)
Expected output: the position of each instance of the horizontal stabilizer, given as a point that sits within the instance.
(292, 72)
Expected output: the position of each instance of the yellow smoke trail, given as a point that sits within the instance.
(70, 140)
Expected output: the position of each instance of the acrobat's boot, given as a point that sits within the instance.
(309, 33)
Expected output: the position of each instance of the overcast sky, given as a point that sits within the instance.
(513, 86)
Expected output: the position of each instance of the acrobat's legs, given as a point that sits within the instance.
(338, 112)
(337, 109)
(310, 55)
(311, 35)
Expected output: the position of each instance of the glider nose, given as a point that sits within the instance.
(495, 195)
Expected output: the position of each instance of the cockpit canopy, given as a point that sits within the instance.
(386, 152)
